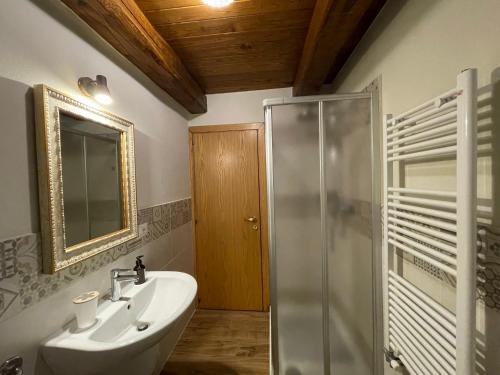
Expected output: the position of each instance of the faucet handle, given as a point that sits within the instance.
(116, 271)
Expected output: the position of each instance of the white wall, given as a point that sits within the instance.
(237, 107)
(42, 42)
(418, 47)
(37, 48)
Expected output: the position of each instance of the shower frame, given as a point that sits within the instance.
(372, 93)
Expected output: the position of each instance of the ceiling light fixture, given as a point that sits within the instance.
(97, 89)
(218, 3)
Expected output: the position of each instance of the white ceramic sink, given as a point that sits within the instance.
(115, 337)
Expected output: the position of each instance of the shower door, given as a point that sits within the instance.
(321, 155)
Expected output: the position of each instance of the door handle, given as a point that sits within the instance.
(251, 219)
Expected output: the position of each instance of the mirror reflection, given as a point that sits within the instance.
(91, 174)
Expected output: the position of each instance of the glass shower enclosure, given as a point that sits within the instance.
(324, 198)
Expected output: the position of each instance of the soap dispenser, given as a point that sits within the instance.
(140, 269)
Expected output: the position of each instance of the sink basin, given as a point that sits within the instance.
(125, 331)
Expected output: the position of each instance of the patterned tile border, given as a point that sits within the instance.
(488, 273)
(22, 284)
(488, 268)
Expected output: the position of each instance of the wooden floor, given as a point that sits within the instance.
(222, 343)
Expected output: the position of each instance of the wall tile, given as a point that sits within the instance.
(161, 221)
(22, 283)
(489, 267)
(145, 215)
(8, 259)
(156, 214)
(180, 213)
(488, 270)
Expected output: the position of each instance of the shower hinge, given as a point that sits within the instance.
(12, 366)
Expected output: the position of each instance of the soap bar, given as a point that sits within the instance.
(86, 297)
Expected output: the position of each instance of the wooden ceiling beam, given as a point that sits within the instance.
(123, 25)
(335, 29)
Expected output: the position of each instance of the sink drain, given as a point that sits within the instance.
(142, 326)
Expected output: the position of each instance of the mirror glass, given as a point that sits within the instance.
(91, 174)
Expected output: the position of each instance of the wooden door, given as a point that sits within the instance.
(227, 181)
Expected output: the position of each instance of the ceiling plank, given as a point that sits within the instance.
(171, 4)
(272, 22)
(335, 29)
(261, 42)
(123, 25)
(203, 12)
(249, 81)
(241, 64)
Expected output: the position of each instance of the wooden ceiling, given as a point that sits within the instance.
(190, 49)
(249, 45)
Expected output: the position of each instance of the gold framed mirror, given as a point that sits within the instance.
(86, 177)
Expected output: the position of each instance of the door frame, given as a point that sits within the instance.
(261, 154)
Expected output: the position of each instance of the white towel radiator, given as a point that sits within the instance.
(436, 226)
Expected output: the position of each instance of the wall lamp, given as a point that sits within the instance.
(97, 89)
